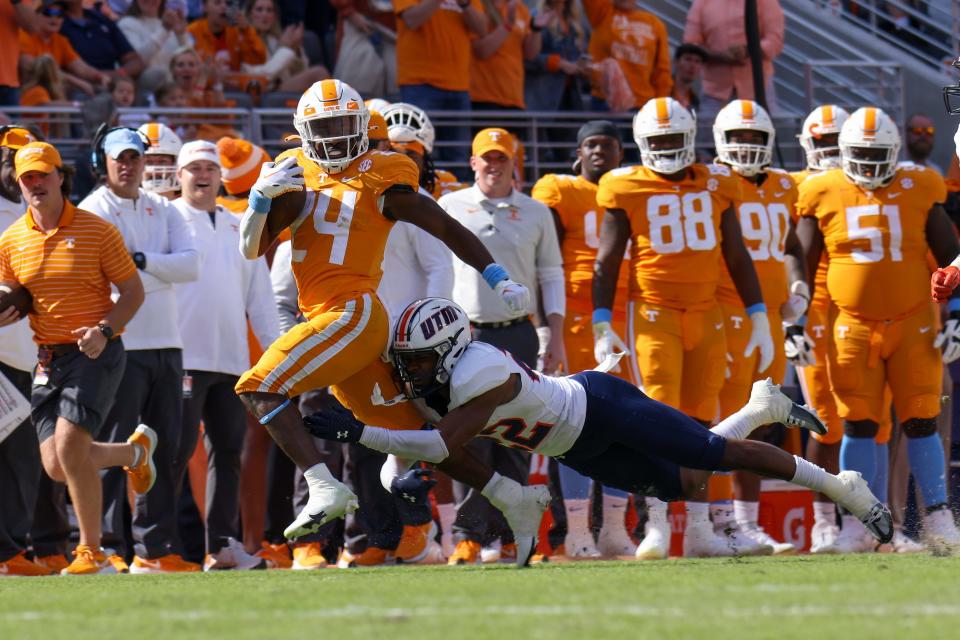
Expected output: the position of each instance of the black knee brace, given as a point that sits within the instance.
(860, 428)
(920, 427)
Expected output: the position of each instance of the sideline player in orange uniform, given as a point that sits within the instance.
(411, 133)
(340, 224)
(680, 218)
(572, 200)
(876, 223)
(744, 137)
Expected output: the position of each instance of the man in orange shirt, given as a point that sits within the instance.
(637, 40)
(14, 15)
(433, 57)
(67, 259)
(496, 72)
(223, 37)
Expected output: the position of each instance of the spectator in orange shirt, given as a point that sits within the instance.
(13, 16)
(688, 62)
(47, 40)
(225, 36)
(637, 40)
(496, 72)
(433, 58)
(43, 85)
(718, 27)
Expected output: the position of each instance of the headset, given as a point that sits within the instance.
(98, 157)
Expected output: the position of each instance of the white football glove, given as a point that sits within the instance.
(760, 339)
(796, 305)
(515, 295)
(606, 342)
(279, 178)
(798, 346)
(948, 341)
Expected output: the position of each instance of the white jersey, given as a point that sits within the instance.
(545, 417)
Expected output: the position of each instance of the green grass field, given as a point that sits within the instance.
(851, 597)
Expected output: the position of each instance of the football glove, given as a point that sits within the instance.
(943, 282)
(515, 295)
(606, 342)
(948, 340)
(798, 346)
(796, 305)
(279, 178)
(760, 339)
(413, 486)
(334, 424)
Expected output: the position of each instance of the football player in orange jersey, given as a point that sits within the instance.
(744, 138)
(680, 218)
(412, 134)
(340, 224)
(877, 223)
(573, 202)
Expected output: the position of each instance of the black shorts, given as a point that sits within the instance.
(634, 443)
(77, 389)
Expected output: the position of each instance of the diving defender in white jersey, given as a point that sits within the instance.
(598, 424)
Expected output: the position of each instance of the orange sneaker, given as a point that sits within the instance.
(87, 561)
(308, 555)
(55, 563)
(418, 544)
(466, 552)
(118, 563)
(170, 563)
(276, 555)
(144, 473)
(372, 557)
(18, 565)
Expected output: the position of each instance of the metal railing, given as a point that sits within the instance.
(878, 84)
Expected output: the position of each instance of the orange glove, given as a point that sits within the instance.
(943, 282)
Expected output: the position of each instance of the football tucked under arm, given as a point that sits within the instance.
(12, 293)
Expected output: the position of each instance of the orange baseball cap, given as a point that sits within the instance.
(241, 161)
(493, 139)
(16, 137)
(377, 127)
(37, 156)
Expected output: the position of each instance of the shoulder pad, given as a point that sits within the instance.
(480, 369)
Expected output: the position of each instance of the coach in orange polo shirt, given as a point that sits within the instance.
(67, 259)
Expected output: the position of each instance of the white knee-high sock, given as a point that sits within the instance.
(656, 512)
(813, 477)
(738, 426)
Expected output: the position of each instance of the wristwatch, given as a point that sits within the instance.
(105, 330)
(140, 260)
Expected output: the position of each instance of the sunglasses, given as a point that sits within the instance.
(921, 130)
(52, 12)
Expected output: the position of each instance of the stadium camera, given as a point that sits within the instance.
(951, 94)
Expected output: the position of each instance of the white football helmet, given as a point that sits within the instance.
(747, 159)
(160, 178)
(664, 117)
(331, 120)
(825, 120)
(409, 123)
(376, 104)
(869, 146)
(430, 326)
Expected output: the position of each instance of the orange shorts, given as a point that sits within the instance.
(578, 342)
(743, 371)
(341, 349)
(680, 356)
(864, 356)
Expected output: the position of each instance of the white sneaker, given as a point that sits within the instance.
(770, 405)
(701, 541)
(579, 544)
(854, 538)
(656, 541)
(614, 541)
(902, 543)
(328, 501)
(524, 520)
(861, 502)
(940, 533)
(233, 557)
(756, 532)
(490, 554)
(743, 543)
(823, 538)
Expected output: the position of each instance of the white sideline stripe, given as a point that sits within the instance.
(913, 610)
(308, 344)
(328, 353)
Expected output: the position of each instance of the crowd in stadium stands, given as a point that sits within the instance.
(202, 486)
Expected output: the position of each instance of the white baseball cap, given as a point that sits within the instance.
(198, 150)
